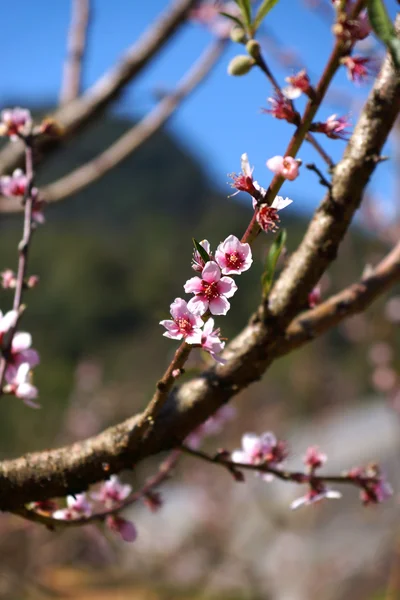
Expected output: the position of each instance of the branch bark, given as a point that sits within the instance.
(77, 114)
(77, 40)
(73, 468)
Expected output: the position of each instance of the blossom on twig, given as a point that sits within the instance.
(267, 216)
(285, 166)
(211, 291)
(233, 257)
(15, 122)
(185, 325)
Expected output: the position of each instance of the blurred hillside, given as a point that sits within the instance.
(113, 257)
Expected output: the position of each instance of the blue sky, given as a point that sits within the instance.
(222, 119)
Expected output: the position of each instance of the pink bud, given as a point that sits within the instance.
(124, 528)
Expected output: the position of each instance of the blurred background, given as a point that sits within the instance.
(113, 256)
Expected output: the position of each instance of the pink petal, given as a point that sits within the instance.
(219, 306)
(275, 164)
(198, 305)
(194, 338)
(211, 272)
(178, 308)
(280, 202)
(193, 285)
(227, 286)
(21, 341)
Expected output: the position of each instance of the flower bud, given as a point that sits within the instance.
(238, 35)
(240, 65)
(253, 48)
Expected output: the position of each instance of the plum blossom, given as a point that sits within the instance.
(314, 297)
(14, 185)
(258, 450)
(210, 340)
(7, 322)
(314, 458)
(211, 291)
(315, 495)
(77, 507)
(245, 182)
(197, 261)
(112, 492)
(233, 257)
(185, 324)
(267, 216)
(358, 68)
(8, 279)
(15, 122)
(334, 127)
(374, 487)
(285, 166)
(281, 108)
(298, 84)
(20, 353)
(22, 387)
(123, 527)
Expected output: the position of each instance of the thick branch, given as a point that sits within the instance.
(75, 115)
(71, 469)
(77, 38)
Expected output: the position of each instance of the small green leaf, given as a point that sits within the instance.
(203, 253)
(272, 259)
(245, 8)
(384, 28)
(232, 18)
(262, 12)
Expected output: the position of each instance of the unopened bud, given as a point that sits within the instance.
(240, 65)
(238, 35)
(253, 48)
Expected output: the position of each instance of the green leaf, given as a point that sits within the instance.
(232, 18)
(203, 253)
(245, 8)
(384, 28)
(262, 12)
(272, 259)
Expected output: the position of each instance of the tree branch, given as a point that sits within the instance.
(77, 39)
(72, 469)
(77, 114)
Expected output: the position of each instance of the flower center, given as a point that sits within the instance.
(210, 290)
(233, 260)
(184, 325)
(268, 218)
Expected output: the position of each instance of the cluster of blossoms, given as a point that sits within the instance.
(267, 216)
(103, 503)
(16, 123)
(21, 359)
(192, 321)
(268, 453)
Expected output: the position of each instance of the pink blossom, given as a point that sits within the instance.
(245, 181)
(315, 495)
(314, 458)
(14, 185)
(15, 122)
(281, 108)
(197, 262)
(257, 450)
(8, 279)
(334, 127)
(185, 324)
(233, 257)
(20, 352)
(314, 297)
(22, 387)
(77, 507)
(211, 291)
(210, 340)
(285, 166)
(298, 84)
(267, 216)
(374, 487)
(212, 426)
(124, 528)
(208, 14)
(358, 68)
(7, 322)
(112, 491)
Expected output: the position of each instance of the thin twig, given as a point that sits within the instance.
(23, 248)
(322, 179)
(77, 42)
